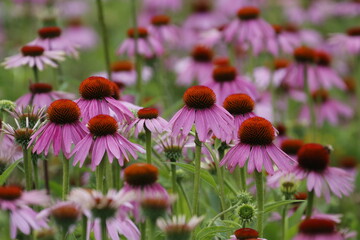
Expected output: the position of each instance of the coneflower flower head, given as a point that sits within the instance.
(201, 108)
(104, 138)
(97, 97)
(256, 147)
(7, 106)
(148, 118)
(247, 234)
(318, 228)
(177, 228)
(141, 174)
(313, 164)
(291, 146)
(62, 129)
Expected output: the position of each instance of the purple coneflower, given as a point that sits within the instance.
(162, 5)
(348, 42)
(148, 45)
(163, 30)
(97, 98)
(82, 36)
(50, 38)
(178, 227)
(149, 118)
(197, 67)
(349, 164)
(246, 234)
(257, 31)
(225, 81)
(313, 165)
(35, 57)
(14, 200)
(283, 41)
(103, 137)
(61, 131)
(256, 147)
(41, 95)
(241, 106)
(318, 229)
(201, 109)
(326, 109)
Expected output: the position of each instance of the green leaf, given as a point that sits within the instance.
(295, 218)
(206, 176)
(210, 232)
(8, 171)
(55, 188)
(271, 206)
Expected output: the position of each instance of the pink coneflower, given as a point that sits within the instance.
(50, 39)
(349, 164)
(318, 229)
(22, 217)
(163, 5)
(313, 165)
(274, 74)
(65, 214)
(41, 95)
(123, 72)
(326, 109)
(246, 234)
(103, 137)
(72, 9)
(324, 76)
(302, 69)
(149, 118)
(61, 131)
(283, 41)
(163, 30)
(257, 30)
(141, 180)
(82, 36)
(348, 42)
(201, 109)
(178, 227)
(241, 106)
(195, 68)
(148, 45)
(225, 81)
(291, 146)
(97, 98)
(229, 7)
(34, 57)
(256, 147)
(111, 208)
(202, 17)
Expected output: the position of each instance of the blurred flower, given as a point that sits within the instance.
(162, 5)
(41, 95)
(177, 228)
(326, 109)
(283, 41)
(257, 31)
(148, 118)
(163, 30)
(313, 165)
(103, 137)
(62, 130)
(225, 81)
(50, 39)
(348, 43)
(82, 36)
(155, 206)
(148, 45)
(198, 67)
(200, 109)
(256, 147)
(17, 201)
(317, 229)
(246, 233)
(34, 56)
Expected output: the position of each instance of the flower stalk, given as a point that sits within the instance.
(196, 175)
(27, 169)
(148, 145)
(66, 177)
(259, 181)
(310, 203)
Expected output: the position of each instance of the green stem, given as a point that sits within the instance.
(103, 229)
(148, 145)
(116, 175)
(174, 186)
(36, 74)
(143, 230)
(104, 36)
(66, 177)
(59, 74)
(197, 175)
(63, 233)
(109, 175)
(150, 228)
(310, 104)
(84, 227)
(27, 169)
(242, 173)
(260, 201)
(187, 200)
(36, 170)
(7, 227)
(284, 221)
(46, 176)
(100, 171)
(222, 213)
(220, 174)
(310, 203)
